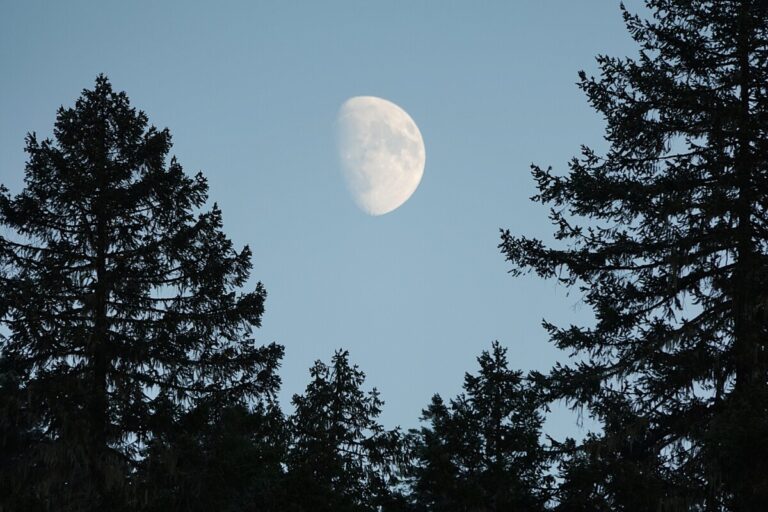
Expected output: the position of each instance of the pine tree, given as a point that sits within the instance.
(670, 251)
(583, 479)
(120, 301)
(482, 450)
(225, 459)
(618, 469)
(341, 459)
(18, 436)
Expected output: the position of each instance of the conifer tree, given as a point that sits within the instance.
(482, 450)
(618, 469)
(666, 236)
(120, 301)
(341, 459)
(18, 436)
(223, 458)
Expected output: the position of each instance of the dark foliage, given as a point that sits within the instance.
(619, 469)
(120, 305)
(18, 436)
(341, 459)
(217, 458)
(482, 450)
(671, 249)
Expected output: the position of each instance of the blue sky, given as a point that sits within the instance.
(250, 92)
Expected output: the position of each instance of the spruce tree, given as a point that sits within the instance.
(482, 450)
(18, 436)
(341, 458)
(618, 469)
(226, 459)
(665, 235)
(120, 301)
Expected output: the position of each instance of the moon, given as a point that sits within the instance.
(381, 151)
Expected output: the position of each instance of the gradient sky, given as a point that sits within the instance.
(250, 92)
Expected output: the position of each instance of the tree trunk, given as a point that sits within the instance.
(750, 385)
(99, 350)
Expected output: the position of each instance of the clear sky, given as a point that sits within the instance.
(250, 92)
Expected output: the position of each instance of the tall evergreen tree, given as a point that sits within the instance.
(673, 258)
(341, 459)
(482, 450)
(223, 458)
(119, 301)
(618, 469)
(18, 436)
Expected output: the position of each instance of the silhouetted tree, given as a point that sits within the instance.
(18, 435)
(673, 256)
(119, 301)
(583, 486)
(217, 458)
(482, 450)
(341, 459)
(618, 469)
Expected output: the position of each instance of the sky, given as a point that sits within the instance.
(250, 91)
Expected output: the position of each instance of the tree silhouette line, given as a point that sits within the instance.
(130, 380)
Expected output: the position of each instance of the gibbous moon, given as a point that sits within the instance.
(382, 153)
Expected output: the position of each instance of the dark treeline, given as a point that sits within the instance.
(130, 380)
